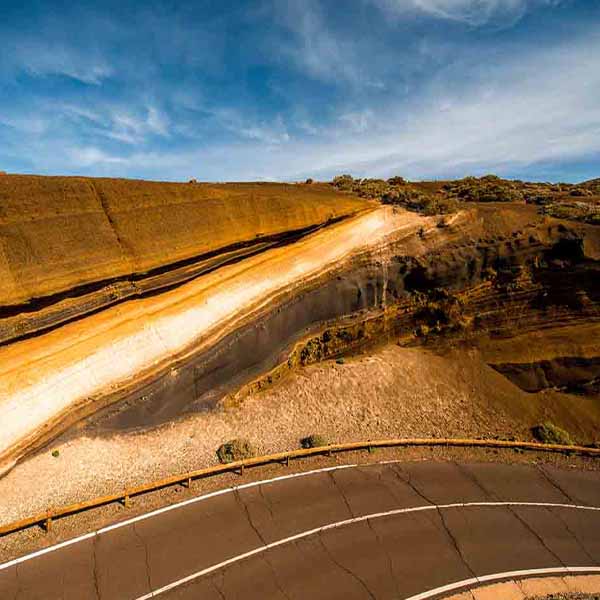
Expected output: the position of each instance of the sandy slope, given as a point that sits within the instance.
(45, 377)
(387, 392)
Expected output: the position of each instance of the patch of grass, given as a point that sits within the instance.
(314, 440)
(549, 433)
(340, 361)
(237, 449)
(55, 453)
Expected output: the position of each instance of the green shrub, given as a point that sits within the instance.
(344, 182)
(413, 199)
(580, 191)
(574, 211)
(396, 180)
(55, 453)
(548, 433)
(314, 440)
(233, 450)
(371, 188)
(489, 188)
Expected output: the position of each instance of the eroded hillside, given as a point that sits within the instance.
(240, 288)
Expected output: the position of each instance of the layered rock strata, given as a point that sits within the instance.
(242, 313)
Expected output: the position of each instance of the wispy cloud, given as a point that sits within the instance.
(471, 12)
(278, 89)
(319, 49)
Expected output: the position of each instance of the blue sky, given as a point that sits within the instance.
(286, 89)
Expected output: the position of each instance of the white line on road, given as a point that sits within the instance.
(164, 509)
(500, 576)
(398, 511)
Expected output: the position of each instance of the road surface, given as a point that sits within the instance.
(384, 531)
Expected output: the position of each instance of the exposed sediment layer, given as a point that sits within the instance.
(499, 271)
(379, 294)
(72, 245)
(47, 380)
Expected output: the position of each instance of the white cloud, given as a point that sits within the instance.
(42, 59)
(471, 12)
(91, 156)
(318, 49)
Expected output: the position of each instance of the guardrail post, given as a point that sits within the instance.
(287, 461)
(126, 501)
(241, 469)
(48, 524)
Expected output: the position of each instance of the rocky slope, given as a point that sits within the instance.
(263, 293)
(73, 245)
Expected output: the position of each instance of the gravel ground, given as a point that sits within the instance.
(391, 392)
(566, 597)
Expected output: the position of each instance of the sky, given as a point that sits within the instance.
(224, 90)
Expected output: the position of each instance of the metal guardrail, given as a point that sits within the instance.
(185, 479)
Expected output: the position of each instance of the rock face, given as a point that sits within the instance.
(73, 245)
(237, 285)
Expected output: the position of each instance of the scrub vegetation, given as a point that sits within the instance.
(575, 202)
(233, 450)
(548, 433)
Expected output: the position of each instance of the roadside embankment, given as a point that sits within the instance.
(48, 382)
(72, 245)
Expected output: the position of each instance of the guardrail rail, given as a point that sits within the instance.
(185, 479)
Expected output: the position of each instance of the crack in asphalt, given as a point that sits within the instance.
(341, 491)
(473, 478)
(345, 569)
(574, 536)
(266, 501)
(246, 510)
(454, 542)
(275, 576)
(405, 477)
(388, 556)
(95, 567)
(146, 557)
(213, 582)
(260, 536)
(535, 534)
(18, 590)
(378, 475)
(555, 484)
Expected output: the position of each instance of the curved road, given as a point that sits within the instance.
(384, 531)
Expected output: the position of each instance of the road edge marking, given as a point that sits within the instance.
(362, 518)
(451, 587)
(168, 508)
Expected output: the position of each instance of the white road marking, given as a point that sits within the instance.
(499, 576)
(164, 509)
(398, 511)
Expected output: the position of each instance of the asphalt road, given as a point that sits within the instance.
(388, 531)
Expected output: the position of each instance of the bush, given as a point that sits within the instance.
(573, 211)
(548, 433)
(233, 450)
(489, 188)
(579, 191)
(55, 453)
(371, 188)
(314, 440)
(397, 181)
(309, 181)
(344, 182)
